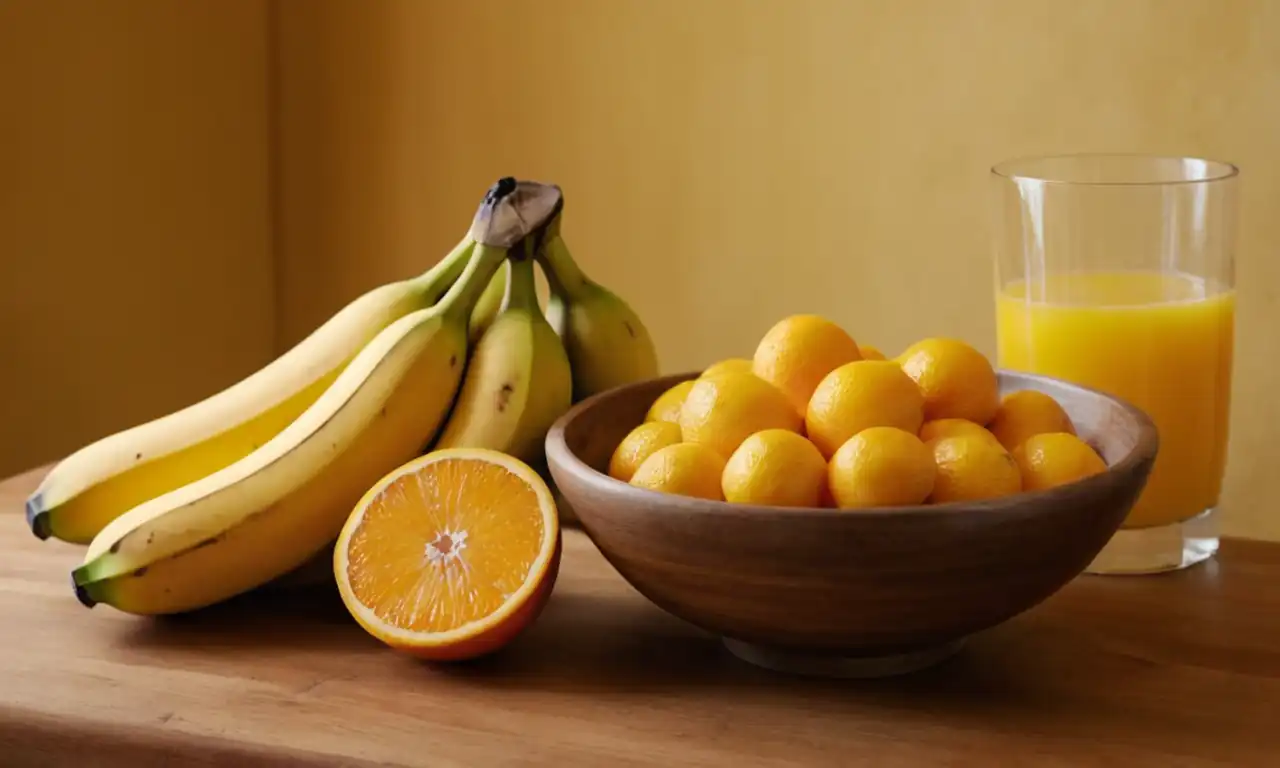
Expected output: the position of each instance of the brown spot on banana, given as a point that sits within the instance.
(504, 396)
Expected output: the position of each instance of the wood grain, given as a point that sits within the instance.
(864, 583)
(1182, 669)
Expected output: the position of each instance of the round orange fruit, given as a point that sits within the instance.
(957, 380)
(775, 467)
(932, 431)
(1050, 459)
(732, 365)
(450, 556)
(881, 467)
(667, 406)
(639, 444)
(1025, 413)
(723, 410)
(859, 395)
(683, 469)
(798, 351)
(970, 468)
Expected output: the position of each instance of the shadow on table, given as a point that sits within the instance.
(302, 619)
(585, 642)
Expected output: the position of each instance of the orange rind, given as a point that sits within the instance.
(450, 556)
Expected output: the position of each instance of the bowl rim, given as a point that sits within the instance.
(1145, 449)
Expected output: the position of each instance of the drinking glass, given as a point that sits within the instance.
(1118, 272)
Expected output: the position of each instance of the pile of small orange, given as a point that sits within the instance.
(814, 419)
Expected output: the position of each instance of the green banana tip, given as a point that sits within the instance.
(546, 233)
(38, 517)
(525, 249)
(81, 588)
(552, 228)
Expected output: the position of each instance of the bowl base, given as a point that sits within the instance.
(836, 666)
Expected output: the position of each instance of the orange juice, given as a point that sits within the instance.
(1161, 341)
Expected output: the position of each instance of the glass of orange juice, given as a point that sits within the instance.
(1117, 272)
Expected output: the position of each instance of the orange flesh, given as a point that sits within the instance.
(446, 545)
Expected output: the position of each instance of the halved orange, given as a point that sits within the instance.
(452, 555)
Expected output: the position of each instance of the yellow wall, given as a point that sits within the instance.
(738, 160)
(741, 160)
(135, 269)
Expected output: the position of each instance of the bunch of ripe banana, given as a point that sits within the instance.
(252, 485)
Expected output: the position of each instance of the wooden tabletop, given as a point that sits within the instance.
(1181, 669)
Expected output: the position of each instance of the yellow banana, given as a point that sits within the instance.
(489, 304)
(608, 345)
(518, 380)
(102, 481)
(268, 513)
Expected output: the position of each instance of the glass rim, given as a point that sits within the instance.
(1016, 169)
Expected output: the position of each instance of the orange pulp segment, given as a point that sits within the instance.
(451, 555)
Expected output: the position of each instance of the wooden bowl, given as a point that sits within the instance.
(844, 592)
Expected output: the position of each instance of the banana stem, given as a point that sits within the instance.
(512, 210)
(446, 271)
(563, 274)
(511, 213)
(463, 295)
(521, 289)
